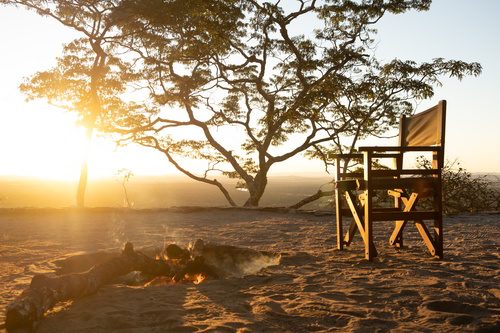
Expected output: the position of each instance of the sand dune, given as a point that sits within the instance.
(314, 287)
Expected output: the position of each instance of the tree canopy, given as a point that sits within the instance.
(87, 79)
(269, 71)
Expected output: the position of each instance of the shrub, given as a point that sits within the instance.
(463, 192)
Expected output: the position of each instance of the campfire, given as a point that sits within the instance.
(187, 278)
(173, 265)
(202, 262)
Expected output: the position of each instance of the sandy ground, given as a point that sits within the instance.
(314, 288)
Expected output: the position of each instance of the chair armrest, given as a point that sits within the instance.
(347, 155)
(394, 173)
(346, 184)
(400, 149)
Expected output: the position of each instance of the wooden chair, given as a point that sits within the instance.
(423, 132)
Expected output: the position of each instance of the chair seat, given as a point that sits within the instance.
(416, 184)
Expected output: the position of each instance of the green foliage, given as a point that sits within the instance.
(69, 84)
(463, 192)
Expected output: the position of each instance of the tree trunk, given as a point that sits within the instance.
(84, 170)
(82, 184)
(251, 202)
(44, 292)
(96, 76)
(256, 190)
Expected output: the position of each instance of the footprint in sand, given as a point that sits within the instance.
(456, 307)
(461, 313)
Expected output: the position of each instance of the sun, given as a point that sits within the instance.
(54, 148)
(46, 144)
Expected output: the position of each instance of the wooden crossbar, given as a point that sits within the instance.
(344, 156)
(344, 175)
(395, 173)
(375, 155)
(397, 235)
(355, 214)
(391, 183)
(400, 149)
(411, 216)
(424, 232)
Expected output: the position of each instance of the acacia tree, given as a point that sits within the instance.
(87, 79)
(91, 76)
(270, 79)
(251, 66)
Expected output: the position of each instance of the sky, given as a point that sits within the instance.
(41, 141)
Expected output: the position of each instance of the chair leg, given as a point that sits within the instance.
(338, 204)
(358, 223)
(350, 234)
(434, 244)
(438, 237)
(397, 235)
(438, 223)
(370, 250)
(437, 163)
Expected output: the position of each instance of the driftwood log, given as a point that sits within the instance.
(312, 198)
(44, 292)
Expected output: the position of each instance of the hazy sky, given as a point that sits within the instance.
(36, 139)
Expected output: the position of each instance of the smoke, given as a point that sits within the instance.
(116, 231)
(172, 236)
(234, 261)
(257, 264)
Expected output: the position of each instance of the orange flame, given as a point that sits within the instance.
(199, 278)
(195, 279)
(161, 257)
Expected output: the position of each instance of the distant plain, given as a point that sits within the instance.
(156, 192)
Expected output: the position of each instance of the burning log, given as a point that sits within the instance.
(175, 252)
(44, 292)
(196, 267)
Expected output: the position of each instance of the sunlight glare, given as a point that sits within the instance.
(49, 147)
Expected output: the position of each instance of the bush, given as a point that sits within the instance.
(463, 192)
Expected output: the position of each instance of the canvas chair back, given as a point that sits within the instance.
(426, 128)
